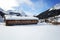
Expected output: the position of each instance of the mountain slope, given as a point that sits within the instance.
(22, 13)
(54, 11)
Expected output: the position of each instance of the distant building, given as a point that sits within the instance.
(54, 20)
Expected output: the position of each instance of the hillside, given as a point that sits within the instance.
(54, 11)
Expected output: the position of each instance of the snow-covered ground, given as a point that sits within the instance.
(41, 31)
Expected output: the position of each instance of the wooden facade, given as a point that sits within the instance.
(20, 22)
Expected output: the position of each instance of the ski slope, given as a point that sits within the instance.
(40, 31)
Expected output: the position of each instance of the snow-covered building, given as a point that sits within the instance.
(15, 17)
(54, 20)
(15, 20)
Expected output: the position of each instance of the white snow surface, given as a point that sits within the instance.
(13, 17)
(40, 31)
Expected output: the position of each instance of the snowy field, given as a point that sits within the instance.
(41, 31)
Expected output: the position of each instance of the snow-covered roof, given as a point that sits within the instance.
(13, 17)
